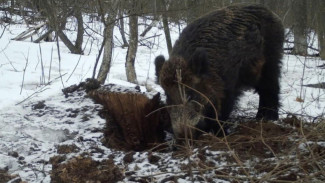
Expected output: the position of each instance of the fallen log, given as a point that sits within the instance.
(44, 36)
(27, 33)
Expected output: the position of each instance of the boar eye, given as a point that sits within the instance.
(190, 95)
(189, 98)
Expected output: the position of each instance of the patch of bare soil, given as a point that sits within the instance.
(66, 149)
(5, 177)
(254, 138)
(289, 151)
(84, 169)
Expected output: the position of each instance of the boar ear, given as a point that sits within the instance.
(159, 62)
(199, 62)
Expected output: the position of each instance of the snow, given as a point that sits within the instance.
(297, 71)
(34, 134)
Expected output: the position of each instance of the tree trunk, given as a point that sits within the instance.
(58, 22)
(47, 36)
(12, 5)
(300, 27)
(121, 28)
(68, 43)
(147, 29)
(321, 28)
(192, 10)
(166, 28)
(80, 32)
(132, 49)
(108, 39)
(77, 47)
(131, 123)
(107, 57)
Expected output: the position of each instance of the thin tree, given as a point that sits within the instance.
(57, 12)
(133, 44)
(109, 23)
(121, 28)
(299, 8)
(166, 27)
(321, 27)
(193, 9)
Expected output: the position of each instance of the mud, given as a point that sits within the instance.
(84, 169)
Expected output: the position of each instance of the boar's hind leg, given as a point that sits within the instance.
(268, 88)
(268, 91)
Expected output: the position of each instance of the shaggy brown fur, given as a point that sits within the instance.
(218, 55)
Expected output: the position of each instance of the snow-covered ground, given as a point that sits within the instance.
(32, 71)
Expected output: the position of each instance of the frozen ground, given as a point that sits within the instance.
(30, 132)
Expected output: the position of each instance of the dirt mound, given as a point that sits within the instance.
(257, 139)
(291, 150)
(84, 169)
(5, 177)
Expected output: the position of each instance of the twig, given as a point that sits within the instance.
(3, 49)
(40, 90)
(3, 31)
(23, 36)
(59, 55)
(38, 40)
(74, 68)
(98, 57)
(269, 174)
(10, 62)
(50, 65)
(153, 24)
(263, 141)
(42, 66)
(86, 44)
(234, 155)
(310, 150)
(156, 35)
(315, 49)
(302, 78)
(24, 71)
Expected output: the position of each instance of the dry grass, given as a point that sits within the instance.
(291, 151)
(84, 169)
(267, 152)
